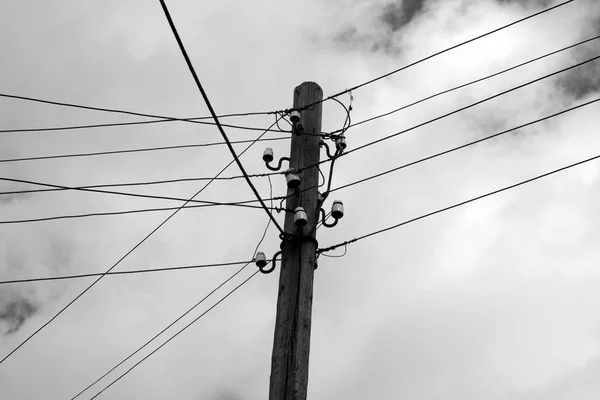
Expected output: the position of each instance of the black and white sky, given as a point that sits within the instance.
(496, 300)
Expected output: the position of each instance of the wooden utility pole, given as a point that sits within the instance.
(291, 346)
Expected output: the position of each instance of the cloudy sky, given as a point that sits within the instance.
(495, 300)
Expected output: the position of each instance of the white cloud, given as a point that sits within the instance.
(494, 300)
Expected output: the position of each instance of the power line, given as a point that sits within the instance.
(456, 111)
(440, 52)
(142, 183)
(351, 125)
(460, 147)
(471, 82)
(406, 222)
(125, 256)
(466, 145)
(476, 103)
(138, 195)
(214, 115)
(197, 119)
(193, 120)
(124, 212)
(127, 151)
(98, 214)
(377, 232)
(272, 139)
(178, 318)
(129, 272)
(161, 118)
(360, 180)
(450, 113)
(176, 334)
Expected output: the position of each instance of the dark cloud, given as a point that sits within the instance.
(14, 314)
(348, 36)
(585, 80)
(581, 84)
(398, 14)
(388, 20)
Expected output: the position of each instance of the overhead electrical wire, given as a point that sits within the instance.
(73, 127)
(163, 331)
(100, 214)
(456, 111)
(476, 103)
(128, 272)
(122, 258)
(469, 83)
(162, 118)
(257, 175)
(128, 151)
(377, 232)
(137, 195)
(472, 143)
(175, 335)
(140, 183)
(343, 186)
(170, 119)
(434, 55)
(468, 144)
(189, 310)
(330, 248)
(214, 115)
(332, 190)
(337, 188)
(248, 180)
(348, 152)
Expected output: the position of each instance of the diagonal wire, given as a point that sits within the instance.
(195, 119)
(137, 195)
(121, 259)
(471, 82)
(436, 54)
(377, 232)
(175, 335)
(351, 183)
(161, 118)
(177, 319)
(128, 272)
(214, 115)
(477, 103)
(456, 111)
(192, 120)
(468, 144)
(128, 151)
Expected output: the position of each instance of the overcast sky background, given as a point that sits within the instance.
(498, 299)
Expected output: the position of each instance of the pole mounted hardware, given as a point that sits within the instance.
(300, 217)
(292, 178)
(268, 158)
(337, 212)
(295, 119)
(337, 209)
(340, 143)
(261, 262)
(327, 150)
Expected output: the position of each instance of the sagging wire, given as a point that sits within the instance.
(322, 176)
(347, 122)
(323, 220)
(281, 116)
(337, 256)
